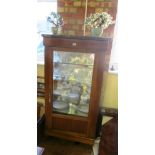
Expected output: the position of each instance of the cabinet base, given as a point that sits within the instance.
(70, 136)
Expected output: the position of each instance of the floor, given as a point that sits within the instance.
(56, 146)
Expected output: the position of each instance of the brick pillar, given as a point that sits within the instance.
(73, 12)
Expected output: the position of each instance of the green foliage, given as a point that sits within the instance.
(55, 19)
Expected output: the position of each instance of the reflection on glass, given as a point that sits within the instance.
(72, 77)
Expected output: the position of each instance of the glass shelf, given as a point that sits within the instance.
(74, 58)
(72, 109)
(64, 63)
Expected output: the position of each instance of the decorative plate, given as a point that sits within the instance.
(83, 108)
(60, 105)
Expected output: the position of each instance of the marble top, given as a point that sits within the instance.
(50, 35)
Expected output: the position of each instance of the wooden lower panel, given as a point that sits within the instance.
(69, 125)
(70, 136)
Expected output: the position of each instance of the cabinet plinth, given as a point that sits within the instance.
(74, 69)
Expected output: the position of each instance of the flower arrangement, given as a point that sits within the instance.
(55, 19)
(96, 20)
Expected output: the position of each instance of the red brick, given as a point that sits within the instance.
(102, 4)
(110, 4)
(61, 1)
(78, 15)
(67, 26)
(81, 27)
(77, 4)
(72, 21)
(106, 4)
(73, 10)
(91, 4)
(113, 13)
(69, 3)
(61, 4)
(80, 11)
(90, 11)
(98, 4)
(66, 15)
(75, 27)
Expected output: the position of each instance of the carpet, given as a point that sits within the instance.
(56, 146)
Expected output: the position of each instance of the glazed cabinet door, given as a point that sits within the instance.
(71, 83)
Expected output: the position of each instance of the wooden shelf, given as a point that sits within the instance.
(41, 90)
(40, 77)
(40, 87)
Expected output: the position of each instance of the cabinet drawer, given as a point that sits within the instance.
(74, 43)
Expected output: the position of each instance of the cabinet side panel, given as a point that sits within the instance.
(48, 71)
(95, 94)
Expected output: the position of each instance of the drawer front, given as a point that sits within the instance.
(74, 43)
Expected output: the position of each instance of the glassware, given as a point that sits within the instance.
(72, 77)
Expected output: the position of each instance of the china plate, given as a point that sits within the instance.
(60, 105)
(83, 108)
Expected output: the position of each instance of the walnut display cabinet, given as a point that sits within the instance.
(74, 69)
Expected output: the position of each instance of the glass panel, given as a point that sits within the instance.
(72, 77)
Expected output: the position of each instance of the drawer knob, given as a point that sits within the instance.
(74, 44)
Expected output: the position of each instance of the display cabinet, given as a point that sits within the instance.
(74, 69)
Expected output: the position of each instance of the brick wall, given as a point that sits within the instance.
(73, 12)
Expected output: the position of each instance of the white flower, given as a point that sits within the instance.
(99, 20)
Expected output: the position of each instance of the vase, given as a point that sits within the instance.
(56, 30)
(97, 32)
